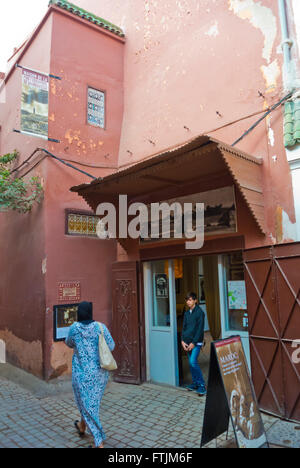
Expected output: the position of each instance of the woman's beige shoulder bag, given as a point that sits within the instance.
(107, 360)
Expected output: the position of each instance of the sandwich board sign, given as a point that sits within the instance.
(231, 396)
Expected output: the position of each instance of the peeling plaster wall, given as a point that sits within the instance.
(296, 17)
(293, 13)
(61, 360)
(180, 56)
(22, 237)
(24, 354)
(82, 56)
(261, 17)
(35, 253)
(192, 67)
(289, 229)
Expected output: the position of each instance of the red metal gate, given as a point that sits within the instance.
(273, 291)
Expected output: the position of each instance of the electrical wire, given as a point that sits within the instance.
(234, 122)
(67, 162)
(63, 159)
(24, 162)
(35, 165)
(89, 165)
(262, 118)
(207, 132)
(48, 154)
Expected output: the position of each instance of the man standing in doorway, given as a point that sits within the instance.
(193, 340)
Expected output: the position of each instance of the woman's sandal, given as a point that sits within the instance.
(81, 434)
(101, 446)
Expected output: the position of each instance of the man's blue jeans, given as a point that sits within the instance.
(196, 372)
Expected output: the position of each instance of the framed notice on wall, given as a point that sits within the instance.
(64, 317)
(237, 297)
(69, 291)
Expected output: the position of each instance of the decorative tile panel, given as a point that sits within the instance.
(96, 108)
(82, 225)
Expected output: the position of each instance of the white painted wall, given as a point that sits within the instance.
(296, 10)
(293, 155)
(295, 170)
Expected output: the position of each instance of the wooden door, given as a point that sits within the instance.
(126, 322)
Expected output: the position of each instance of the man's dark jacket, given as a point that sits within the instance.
(193, 326)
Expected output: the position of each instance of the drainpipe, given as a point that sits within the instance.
(286, 47)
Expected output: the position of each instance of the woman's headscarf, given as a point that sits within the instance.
(85, 313)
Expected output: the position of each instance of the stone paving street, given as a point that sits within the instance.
(132, 416)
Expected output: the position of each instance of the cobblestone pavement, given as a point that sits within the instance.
(146, 416)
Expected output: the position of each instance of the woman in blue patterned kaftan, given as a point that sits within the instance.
(88, 379)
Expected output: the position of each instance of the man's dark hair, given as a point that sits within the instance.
(85, 311)
(191, 295)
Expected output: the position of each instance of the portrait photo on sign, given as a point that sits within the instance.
(243, 406)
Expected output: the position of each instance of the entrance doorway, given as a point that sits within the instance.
(218, 281)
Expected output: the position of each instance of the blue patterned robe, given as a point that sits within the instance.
(88, 379)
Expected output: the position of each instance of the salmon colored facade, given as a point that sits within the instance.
(195, 66)
(37, 254)
(187, 68)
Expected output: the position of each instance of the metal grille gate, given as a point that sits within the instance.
(273, 291)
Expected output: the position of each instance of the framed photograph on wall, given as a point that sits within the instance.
(64, 317)
(201, 290)
(236, 258)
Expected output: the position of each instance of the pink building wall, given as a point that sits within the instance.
(22, 246)
(186, 60)
(38, 253)
(187, 68)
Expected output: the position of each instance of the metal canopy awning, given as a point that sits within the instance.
(202, 158)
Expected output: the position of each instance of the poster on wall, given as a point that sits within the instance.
(237, 297)
(64, 317)
(34, 106)
(161, 286)
(231, 395)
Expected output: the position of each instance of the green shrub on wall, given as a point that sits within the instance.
(16, 194)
